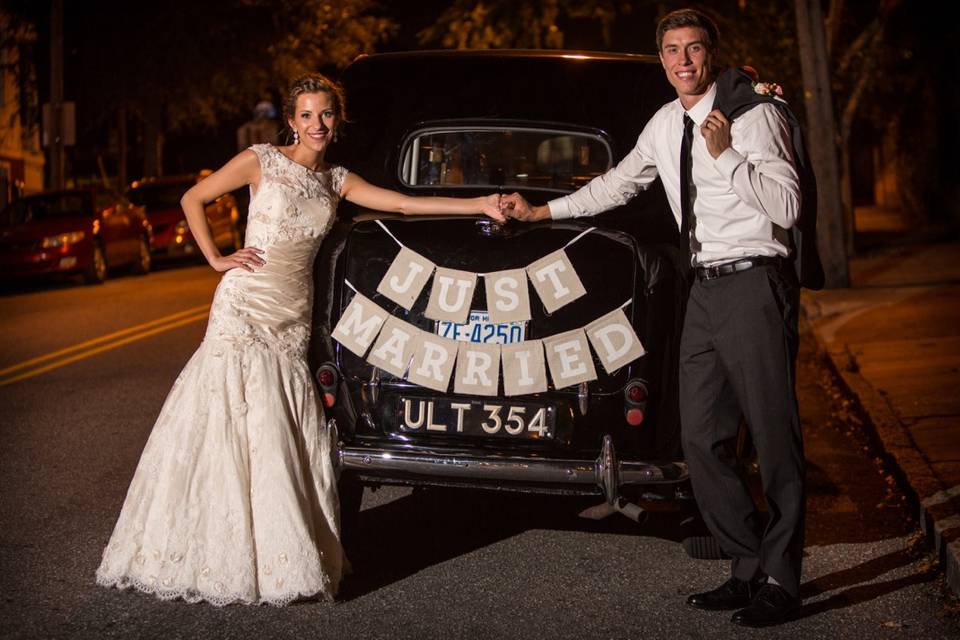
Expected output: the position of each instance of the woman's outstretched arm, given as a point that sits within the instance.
(360, 192)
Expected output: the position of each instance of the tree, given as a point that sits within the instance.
(832, 226)
(535, 24)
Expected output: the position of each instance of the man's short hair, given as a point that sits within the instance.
(689, 18)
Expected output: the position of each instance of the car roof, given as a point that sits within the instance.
(390, 94)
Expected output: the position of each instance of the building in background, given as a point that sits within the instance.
(21, 158)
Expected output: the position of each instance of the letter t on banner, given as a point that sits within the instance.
(405, 278)
(555, 280)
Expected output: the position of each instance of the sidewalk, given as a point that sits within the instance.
(894, 338)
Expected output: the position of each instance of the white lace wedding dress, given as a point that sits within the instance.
(234, 498)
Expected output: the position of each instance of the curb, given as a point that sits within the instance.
(937, 507)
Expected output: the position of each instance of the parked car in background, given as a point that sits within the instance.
(89, 231)
(172, 237)
(471, 123)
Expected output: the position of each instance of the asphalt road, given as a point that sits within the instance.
(427, 564)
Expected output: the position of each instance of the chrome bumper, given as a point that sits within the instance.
(607, 473)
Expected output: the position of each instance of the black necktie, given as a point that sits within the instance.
(686, 206)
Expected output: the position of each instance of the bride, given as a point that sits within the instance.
(234, 498)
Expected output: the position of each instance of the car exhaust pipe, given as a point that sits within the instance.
(607, 470)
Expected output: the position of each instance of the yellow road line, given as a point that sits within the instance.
(104, 338)
(123, 337)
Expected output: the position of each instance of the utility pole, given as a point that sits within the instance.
(56, 95)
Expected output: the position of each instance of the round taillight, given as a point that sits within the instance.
(636, 393)
(635, 417)
(325, 377)
(329, 400)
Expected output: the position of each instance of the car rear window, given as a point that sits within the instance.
(514, 157)
(64, 205)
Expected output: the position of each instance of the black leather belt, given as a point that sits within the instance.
(730, 268)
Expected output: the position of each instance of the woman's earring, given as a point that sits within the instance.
(334, 135)
(296, 137)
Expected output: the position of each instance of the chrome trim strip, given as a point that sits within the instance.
(606, 473)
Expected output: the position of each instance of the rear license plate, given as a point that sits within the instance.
(473, 417)
(478, 328)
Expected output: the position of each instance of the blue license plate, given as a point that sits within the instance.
(478, 328)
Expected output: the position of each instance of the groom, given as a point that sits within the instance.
(739, 343)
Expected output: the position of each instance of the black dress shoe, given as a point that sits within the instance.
(732, 594)
(772, 605)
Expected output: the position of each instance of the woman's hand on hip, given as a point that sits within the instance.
(246, 258)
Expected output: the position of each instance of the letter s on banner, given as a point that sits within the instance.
(508, 297)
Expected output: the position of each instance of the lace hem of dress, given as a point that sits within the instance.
(195, 596)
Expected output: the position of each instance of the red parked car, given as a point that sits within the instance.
(87, 231)
(171, 235)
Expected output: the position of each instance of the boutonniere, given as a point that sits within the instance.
(768, 88)
(762, 88)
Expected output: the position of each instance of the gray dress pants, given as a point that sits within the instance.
(738, 358)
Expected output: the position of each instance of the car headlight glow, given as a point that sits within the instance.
(63, 240)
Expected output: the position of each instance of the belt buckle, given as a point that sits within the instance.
(711, 272)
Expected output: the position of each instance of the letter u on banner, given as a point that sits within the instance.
(359, 324)
(406, 277)
(451, 295)
(614, 340)
(555, 280)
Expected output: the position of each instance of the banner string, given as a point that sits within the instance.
(623, 306)
(578, 237)
(387, 231)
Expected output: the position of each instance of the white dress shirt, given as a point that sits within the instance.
(743, 201)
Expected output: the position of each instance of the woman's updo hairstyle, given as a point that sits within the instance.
(315, 83)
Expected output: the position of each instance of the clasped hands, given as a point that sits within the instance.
(715, 130)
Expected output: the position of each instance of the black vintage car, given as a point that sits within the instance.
(472, 123)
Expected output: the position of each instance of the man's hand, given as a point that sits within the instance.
(716, 131)
(516, 206)
(491, 206)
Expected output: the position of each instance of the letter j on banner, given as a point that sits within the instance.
(406, 277)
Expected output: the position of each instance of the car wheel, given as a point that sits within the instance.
(96, 272)
(350, 491)
(144, 260)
